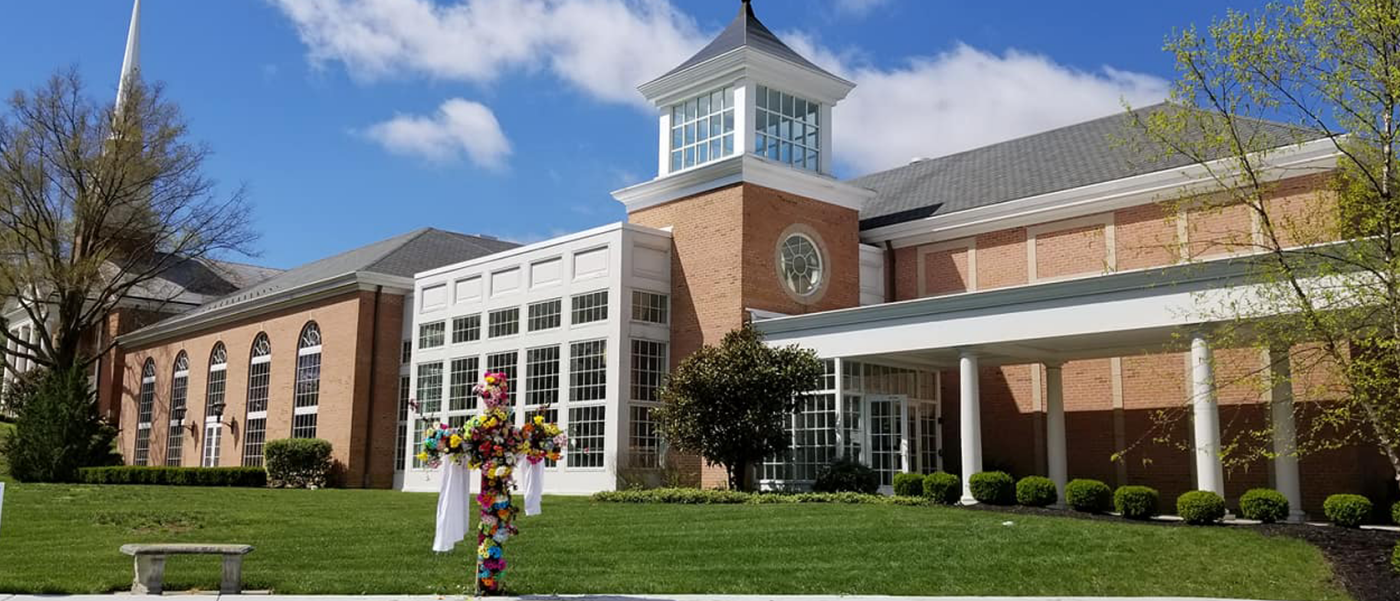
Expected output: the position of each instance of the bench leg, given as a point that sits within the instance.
(150, 575)
(232, 584)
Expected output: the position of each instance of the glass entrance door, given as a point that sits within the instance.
(888, 443)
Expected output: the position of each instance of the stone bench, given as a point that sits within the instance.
(150, 564)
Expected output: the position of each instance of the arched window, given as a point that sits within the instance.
(214, 404)
(145, 403)
(307, 393)
(179, 395)
(259, 376)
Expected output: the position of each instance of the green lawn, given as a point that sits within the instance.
(6, 429)
(64, 539)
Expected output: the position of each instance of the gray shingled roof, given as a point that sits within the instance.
(1060, 159)
(746, 30)
(195, 281)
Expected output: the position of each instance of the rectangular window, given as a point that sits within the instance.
(586, 425)
(143, 446)
(258, 375)
(212, 433)
(504, 322)
(813, 446)
(430, 389)
(174, 445)
(420, 427)
(406, 355)
(253, 441)
(588, 371)
(545, 315)
(542, 376)
(650, 307)
(459, 391)
(648, 368)
(505, 363)
(401, 451)
(431, 335)
(644, 438)
(787, 129)
(304, 425)
(702, 129)
(218, 384)
(466, 329)
(591, 307)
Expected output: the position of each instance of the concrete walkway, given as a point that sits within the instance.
(256, 597)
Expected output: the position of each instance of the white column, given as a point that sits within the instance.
(1285, 434)
(1210, 474)
(970, 423)
(1056, 454)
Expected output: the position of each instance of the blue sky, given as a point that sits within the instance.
(355, 120)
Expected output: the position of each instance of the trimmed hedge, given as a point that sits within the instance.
(1395, 513)
(1200, 507)
(1395, 558)
(1264, 504)
(847, 475)
(1036, 491)
(1347, 511)
(1136, 502)
(1089, 496)
(251, 477)
(942, 488)
(908, 485)
(993, 488)
(698, 496)
(298, 462)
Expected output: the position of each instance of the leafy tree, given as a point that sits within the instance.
(1325, 280)
(59, 430)
(731, 403)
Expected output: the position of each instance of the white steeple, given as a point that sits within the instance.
(131, 62)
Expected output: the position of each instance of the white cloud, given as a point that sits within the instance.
(858, 7)
(963, 99)
(459, 126)
(603, 47)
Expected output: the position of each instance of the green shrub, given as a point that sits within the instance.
(58, 429)
(1264, 504)
(1036, 491)
(1395, 558)
(1135, 502)
(847, 475)
(1395, 513)
(696, 496)
(993, 488)
(175, 476)
(1200, 507)
(1347, 511)
(1089, 496)
(942, 488)
(298, 462)
(908, 485)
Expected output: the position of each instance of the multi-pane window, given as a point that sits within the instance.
(306, 393)
(212, 435)
(591, 307)
(542, 376)
(430, 389)
(586, 425)
(179, 397)
(505, 363)
(644, 438)
(145, 406)
(650, 307)
(787, 129)
(466, 329)
(504, 322)
(460, 380)
(406, 353)
(544, 315)
(813, 431)
(259, 376)
(648, 368)
(702, 129)
(214, 392)
(401, 450)
(432, 335)
(588, 371)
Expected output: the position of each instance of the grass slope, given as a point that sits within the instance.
(65, 538)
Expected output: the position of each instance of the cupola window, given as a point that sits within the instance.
(787, 129)
(702, 129)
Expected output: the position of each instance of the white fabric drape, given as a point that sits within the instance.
(454, 501)
(532, 484)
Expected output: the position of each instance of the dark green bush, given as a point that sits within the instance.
(1264, 504)
(1036, 491)
(847, 475)
(1089, 496)
(942, 488)
(1347, 511)
(1395, 558)
(1135, 502)
(298, 462)
(1395, 513)
(175, 476)
(696, 496)
(1200, 507)
(993, 488)
(58, 429)
(908, 485)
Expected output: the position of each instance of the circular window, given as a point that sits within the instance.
(800, 264)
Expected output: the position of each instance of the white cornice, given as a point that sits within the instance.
(745, 168)
(1311, 157)
(747, 63)
(496, 258)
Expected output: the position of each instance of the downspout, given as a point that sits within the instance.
(373, 369)
(890, 272)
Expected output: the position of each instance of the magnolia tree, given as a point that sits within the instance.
(731, 403)
(1324, 272)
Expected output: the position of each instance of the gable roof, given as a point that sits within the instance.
(1060, 159)
(195, 281)
(746, 30)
